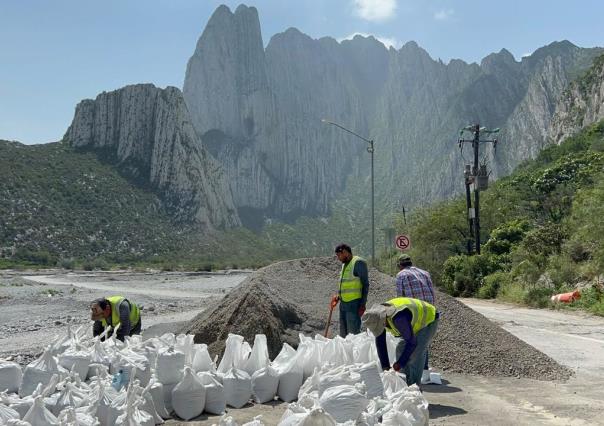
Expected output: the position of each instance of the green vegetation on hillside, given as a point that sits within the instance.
(59, 207)
(541, 227)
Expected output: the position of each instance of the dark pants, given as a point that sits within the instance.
(418, 359)
(137, 328)
(350, 321)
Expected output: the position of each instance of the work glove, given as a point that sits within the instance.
(361, 310)
(396, 366)
(334, 301)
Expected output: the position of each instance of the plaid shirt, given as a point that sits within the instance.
(415, 283)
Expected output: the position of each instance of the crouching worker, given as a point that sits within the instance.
(112, 311)
(414, 322)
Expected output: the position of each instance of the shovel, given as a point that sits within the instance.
(332, 305)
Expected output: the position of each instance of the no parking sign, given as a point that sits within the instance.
(402, 242)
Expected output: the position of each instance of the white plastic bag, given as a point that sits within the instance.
(412, 401)
(134, 416)
(10, 376)
(188, 396)
(215, 396)
(170, 366)
(236, 352)
(258, 357)
(38, 415)
(370, 375)
(201, 359)
(265, 383)
(7, 413)
(291, 374)
(393, 382)
(237, 387)
(315, 417)
(38, 371)
(184, 344)
(344, 402)
(156, 390)
(398, 418)
(75, 359)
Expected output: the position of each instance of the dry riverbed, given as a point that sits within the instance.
(36, 307)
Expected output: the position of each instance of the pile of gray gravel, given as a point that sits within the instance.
(291, 297)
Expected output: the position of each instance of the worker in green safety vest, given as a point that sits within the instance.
(353, 289)
(414, 323)
(114, 310)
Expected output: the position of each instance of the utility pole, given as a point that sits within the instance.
(476, 176)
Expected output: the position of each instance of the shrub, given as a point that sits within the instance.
(492, 283)
(463, 275)
(538, 297)
(504, 237)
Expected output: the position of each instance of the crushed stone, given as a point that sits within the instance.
(291, 297)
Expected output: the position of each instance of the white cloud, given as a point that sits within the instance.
(386, 41)
(375, 10)
(444, 14)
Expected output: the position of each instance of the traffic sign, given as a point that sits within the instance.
(402, 242)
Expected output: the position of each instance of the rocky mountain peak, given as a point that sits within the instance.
(146, 132)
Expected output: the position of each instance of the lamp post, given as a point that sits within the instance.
(370, 151)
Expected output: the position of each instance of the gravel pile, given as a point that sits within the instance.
(286, 298)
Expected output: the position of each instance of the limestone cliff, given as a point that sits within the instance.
(259, 113)
(581, 105)
(147, 133)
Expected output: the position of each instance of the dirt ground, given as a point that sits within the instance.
(31, 305)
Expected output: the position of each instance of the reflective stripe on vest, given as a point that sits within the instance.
(422, 314)
(351, 287)
(115, 302)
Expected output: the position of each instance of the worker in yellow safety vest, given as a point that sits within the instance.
(414, 322)
(114, 310)
(353, 289)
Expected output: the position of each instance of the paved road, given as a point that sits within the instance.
(573, 339)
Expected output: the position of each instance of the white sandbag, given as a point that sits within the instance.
(7, 413)
(134, 416)
(258, 357)
(103, 397)
(398, 418)
(10, 376)
(39, 371)
(71, 417)
(38, 415)
(344, 402)
(14, 402)
(188, 396)
(265, 383)
(135, 365)
(290, 372)
(201, 359)
(233, 353)
(370, 375)
(393, 382)
(75, 359)
(337, 352)
(168, 396)
(149, 407)
(169, 366)
(156, 390)
(315, 417)
(215, 395)
(412, 401)
(256, 422)
(66, 399)
(339, 376)
(184, 344)
(309, 355)
(17, 422)
(237, 387)
(62, 344)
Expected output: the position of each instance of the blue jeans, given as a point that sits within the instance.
(350, 321)
(415, 366)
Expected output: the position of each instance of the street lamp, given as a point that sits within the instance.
(369, 150)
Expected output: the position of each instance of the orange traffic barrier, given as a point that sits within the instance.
(566, 297)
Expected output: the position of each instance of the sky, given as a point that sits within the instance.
(55, 53)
